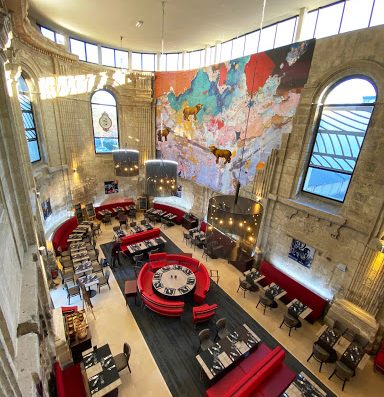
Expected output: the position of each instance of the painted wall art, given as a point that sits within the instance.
(46, 207)
(111, 187)
(301, 253)
(202, 115)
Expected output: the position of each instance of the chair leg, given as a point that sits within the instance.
(265, 308)
(238, 290)
(321, 364)
(281, 324)
(290, 329)
(257, 304)
(309, 357)
(129, 368)
(345, 381)
(333, 373)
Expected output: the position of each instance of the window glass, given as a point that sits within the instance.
(308, 27)
(60, 39)
(194, 59)
(212, 56)
(148, 62)
(136, 61)
(180, 62)
(78, 48)
(107, 56)
(104, 118)
(226, 51)
(238, 47)
(92, 53)
(328, 21)
(218, 53)
(121, 59)
(356, 15)
(251, 43)
(48, 33)
(267, 38)
(285, 32)
(208, 56)
(28, 120)
(343, 123)
(377, 13)
(172, 61)
(163, 62)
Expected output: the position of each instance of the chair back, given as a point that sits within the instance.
(107, 274)
(138, 257)
(204, 335)
(221, 323)
(127, 350)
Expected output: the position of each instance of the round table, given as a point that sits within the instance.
(174, 280)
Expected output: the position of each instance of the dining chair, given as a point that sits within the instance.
(143, 221)
(69, 275)
(72, 291)
(319, 354)
(97, 267)
(244, 286)
(266, 302)
(187, 237)
(205, 340)
(132, 224)
(154, 251)
(138, 259)
(214, 273)
(93, 256)
(96, 228)
(104, 280)
(122, 359)
(291, 322)
(222, 330)
(343, 372)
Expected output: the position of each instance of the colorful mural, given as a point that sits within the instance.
(202, 115)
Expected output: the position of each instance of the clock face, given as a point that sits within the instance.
(105, 121)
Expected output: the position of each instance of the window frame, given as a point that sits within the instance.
(117, 120)
(319, 113)
(32, 112)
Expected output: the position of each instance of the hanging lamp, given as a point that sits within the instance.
(126, 162)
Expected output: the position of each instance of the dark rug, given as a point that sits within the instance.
(174, 341)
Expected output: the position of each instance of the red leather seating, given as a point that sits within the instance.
(61, 234)
(138, 237)
(262, 373)
(378, 362)
(203, 313)
(157, 261)
(154, 302)
(294, 289)
(173, 210)
(69, 382)
(183, 260)
(111, 205)
(203, 283)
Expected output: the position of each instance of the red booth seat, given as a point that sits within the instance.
(69, 382)
(157, 261)
(154, 302)
(203, 282)
(110, 206)
(203, 313)
(138, 237)
(203, 226)
(294, 289)
(60, 236)
(262, 373)
(173, 210)
(378, 362)
(183, 260)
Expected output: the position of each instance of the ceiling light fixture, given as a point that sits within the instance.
(139, 24)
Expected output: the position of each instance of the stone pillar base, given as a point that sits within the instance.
(355, 318)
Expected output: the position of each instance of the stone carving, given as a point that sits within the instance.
(336, 233)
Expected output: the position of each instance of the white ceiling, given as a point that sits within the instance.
(189, 24)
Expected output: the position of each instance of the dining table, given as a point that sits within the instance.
(303, 385)
(99, 371)
(253, 276)
(274, 291)
(146, 245)
(83, 267)
(222, 355)
(88, 281)
(298, 309)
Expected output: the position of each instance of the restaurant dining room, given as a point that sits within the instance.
(191, 198)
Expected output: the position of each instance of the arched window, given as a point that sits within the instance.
(28, 120)
(104, 117)
(343, 122)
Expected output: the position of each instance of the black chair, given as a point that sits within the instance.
(104, 280)
(291, 322)
(106, 219)
(187, 237)
(132, 224)
(244, 286)
(222, 330)
(205, 341)
(154, 251)
(138, 259)
(97, 267)
(122, 359)
(143, 222)
(343, 372)
(266, 302)
(319, 354)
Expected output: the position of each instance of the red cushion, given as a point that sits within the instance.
(294, 289)
(203, 312)
(160, 256)
(69, 382)
(68, 309)
(173, 210)
(60, 236)
(379, 361)
(220, 388)
(275, 385)
(138, 237)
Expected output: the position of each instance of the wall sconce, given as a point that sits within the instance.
(74, 170)
(382, 249)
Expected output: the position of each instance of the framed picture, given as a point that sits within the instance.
(46, 207)
(301, 253)
(111, 187)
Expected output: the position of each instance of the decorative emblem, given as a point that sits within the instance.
(105, 121)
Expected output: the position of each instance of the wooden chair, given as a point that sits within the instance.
(104, 280)
(72, 291)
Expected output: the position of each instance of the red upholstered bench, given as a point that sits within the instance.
(69, 382)
(262, 373)
(203, 313)
(378, 362)
(138, 237)
(60, 236)
(294, 289)
(203, 282)
(183, 260)
(173, 210)
(157, 261)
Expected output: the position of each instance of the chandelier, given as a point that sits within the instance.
(126, 162)
(160, 178)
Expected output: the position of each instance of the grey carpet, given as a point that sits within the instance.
(174, 342)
